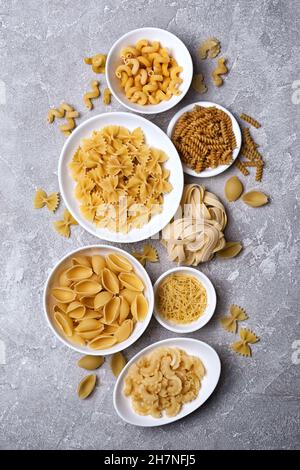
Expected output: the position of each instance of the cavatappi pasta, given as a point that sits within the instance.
(181, 298)
(204, 138)
(148, 74)
(98, 300)
(120, 180)
(163, 381)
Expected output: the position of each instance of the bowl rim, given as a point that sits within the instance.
(62, 156)
(207, 173)
(194, 326)
(146, 109)
(75, 347)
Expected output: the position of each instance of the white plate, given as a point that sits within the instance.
(155, 137)
(211, 362)
(49, 302)
(235, 127)
(176, 49)
(207, 314)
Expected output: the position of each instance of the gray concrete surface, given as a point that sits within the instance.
(256, 404)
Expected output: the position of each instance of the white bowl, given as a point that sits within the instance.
(208, 312)
(211, 362)
(49, 301)
(176, 49)
(208, 172)
(155, 137)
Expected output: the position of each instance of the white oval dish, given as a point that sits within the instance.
(211, 362)
(155, 137)
(48, 301)
(208, 172)
(175, 47)
(211, 301)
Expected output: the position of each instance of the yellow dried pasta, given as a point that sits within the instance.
(96, 303)
(63, 226)
(237, 313)
(181, 298)
(163, 381)
(220, 70)
(242, 347)
(118, 363)
(198, 83)
(106, 96)
(97, 61)
(95, 93)
(41, 199)
(149, 254)
(121, 181)
(211, 47)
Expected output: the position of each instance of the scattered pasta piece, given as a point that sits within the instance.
(199, 234)
(230, 250)
(149, 254)
(211, 47)
(121, 181)
(64, 110)
(106, 96)
(255, 198)
(250, 120)
(148, 74)
(67, 128)
(242, 346)
(233, 189)
(97, 61)
(236, 314)
(249, 151)
(181, 298)
(204, 138)
(90, 362)
(259, 171)
(97, 301)
(198, 83)
(118, 363)
(163, 381)
(63, 226)
(95, 93)
(86, 386)
(220, 70)
(41, 199)
(241, 166)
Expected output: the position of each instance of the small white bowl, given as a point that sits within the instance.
(208, 172)
(211, 362)
(208, 312)
(176, 49)
(155, 137)
(49, 302)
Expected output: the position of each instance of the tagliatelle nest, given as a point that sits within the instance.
(197, 234)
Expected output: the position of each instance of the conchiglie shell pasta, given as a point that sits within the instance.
(124, 331)
(131, 281)
(102, 342)
(76, 339)
(255, 198)
(118, 363)
(110, 329)
(76, 309)
(139, 307)
(64, 322)
(60, 307)
(89, 335)
(110, 281)
(90, 313)
(129, 295)
(86, 386)
(79, 272)
(90, 362)
(101, 299)
(83, 260)
(88, 325)
(111, 310)
(98, 263)
(87, 301)
(64, 295)
(118, 263)
(124, 310)
(63, 281)
(87, 288)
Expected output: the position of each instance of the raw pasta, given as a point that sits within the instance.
(242, 347)
(63, 226)
(67, 111)
(41, 199)
(211, 47)
(237, 313)
(255, 198)
(106, 96)
(102, 309)
(149, 254)
(148, 74)
(163, 381)
(97, 61)
(230, 250)
(197, 234)
(204, 138)
(250, 120)
(118, 363)
(181, 298)
(250, 152)
(233, 189)
(95, 93)
(121, 181)
(220, 70)
(198, 83)
(90, 362)
(86, 386)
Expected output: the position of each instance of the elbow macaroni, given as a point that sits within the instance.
(148, 74)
